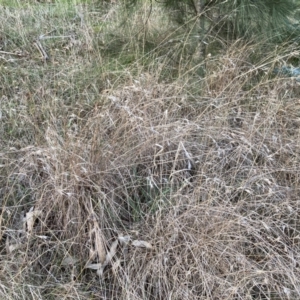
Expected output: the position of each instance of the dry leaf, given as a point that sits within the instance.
(31, 217)
(100, 272)
(112, 252)
(141, 244)
(12, 247)
(96, 238)
(69, 261)
(100, 266)
(124, 240)
(99, 244)
(93, 266)
(44, 237)
(116, 265)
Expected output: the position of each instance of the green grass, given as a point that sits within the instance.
(117, 150)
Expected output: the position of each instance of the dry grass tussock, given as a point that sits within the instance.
(150, 190)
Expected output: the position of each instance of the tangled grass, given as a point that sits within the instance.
(120, 183)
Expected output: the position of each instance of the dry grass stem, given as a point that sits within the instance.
(124, 179)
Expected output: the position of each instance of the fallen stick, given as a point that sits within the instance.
(11, 53)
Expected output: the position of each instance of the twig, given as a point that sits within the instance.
(11, 53)
(42, 50)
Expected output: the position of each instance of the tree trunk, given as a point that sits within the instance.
(199, 6)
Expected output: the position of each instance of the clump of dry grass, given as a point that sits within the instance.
(126, 187)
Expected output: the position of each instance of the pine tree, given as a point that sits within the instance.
(232, 19)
